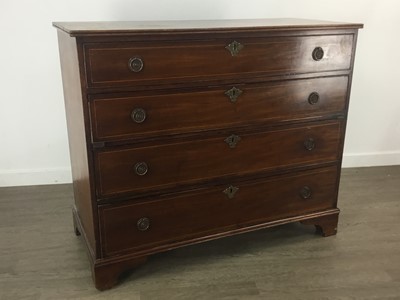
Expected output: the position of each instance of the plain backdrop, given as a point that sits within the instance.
(33, 134)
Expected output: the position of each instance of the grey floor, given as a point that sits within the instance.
(40, 257)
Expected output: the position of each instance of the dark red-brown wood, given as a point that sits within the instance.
(106, 274)
(192, 171)
(178, 164)
(326, 226)
(122, 29)
(78, 139)
(170, 113)
(210, 211)
(177, 61)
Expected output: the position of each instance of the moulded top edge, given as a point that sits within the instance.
(130, 27)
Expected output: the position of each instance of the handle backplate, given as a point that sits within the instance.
(138, 115)
(313, 98)
(141, 168)
(305, 192)
(143, 224)
(309, 144)
(135, 64)
(318, 53)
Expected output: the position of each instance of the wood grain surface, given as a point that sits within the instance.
(180, 61)
(169, 112)
(180, 163)
(41, 258)
(184, 149)
(136, 27)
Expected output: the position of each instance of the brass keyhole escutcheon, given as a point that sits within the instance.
(232, 140)
(230, 191)
(233, 94)
(234, 48)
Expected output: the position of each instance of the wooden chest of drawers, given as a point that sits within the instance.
(182, 132)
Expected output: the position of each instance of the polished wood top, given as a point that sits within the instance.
(127, 27)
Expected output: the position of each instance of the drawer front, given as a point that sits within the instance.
(206, 212)
(130, 64)
(146, 115)
(170, 165)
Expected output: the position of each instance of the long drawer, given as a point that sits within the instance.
(142, 114)
(136, 63)
(133, 226)
(167, 165)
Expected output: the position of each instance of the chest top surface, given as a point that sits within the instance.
(129, 27)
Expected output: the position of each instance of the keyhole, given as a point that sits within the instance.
(230, 191)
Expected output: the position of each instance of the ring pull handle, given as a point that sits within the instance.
(141, 168)
(313, 98)
(135, 64)
(234, 48)
(318, 54)
(143, 224)
(305, 192)
(138, 115)
(309, 144)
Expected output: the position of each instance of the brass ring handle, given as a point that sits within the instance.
(138, 115)
(309, 144)
(318, 53)
(313, 98)
(143, 224)
(305, 192)
(135, 64)
(141, 168)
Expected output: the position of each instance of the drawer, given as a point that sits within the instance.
(206, 212)
(140, 63)
(142, 114)
(170, 165)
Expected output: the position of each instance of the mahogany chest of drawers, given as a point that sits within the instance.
(183, 132)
